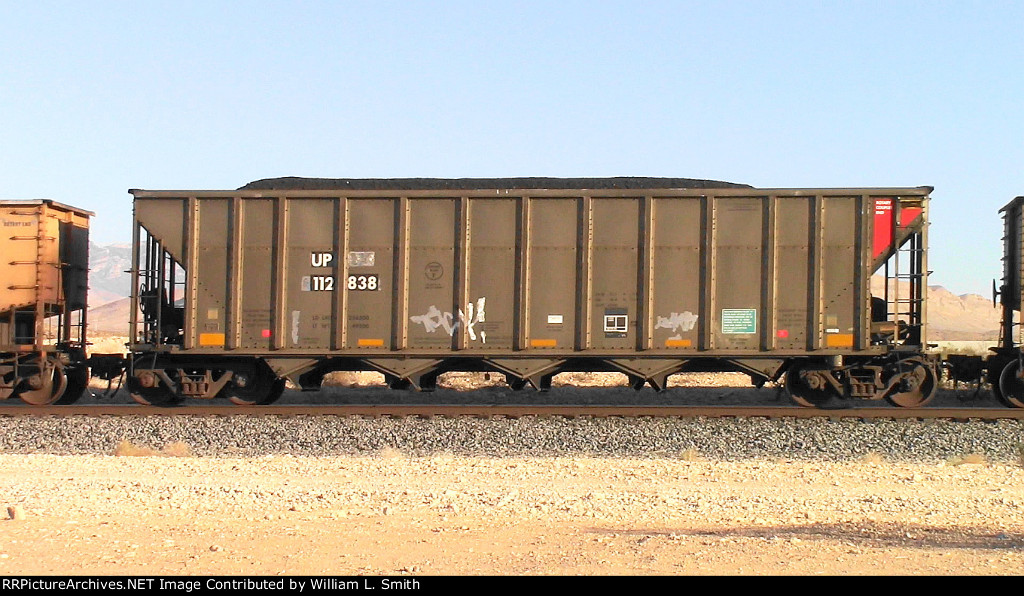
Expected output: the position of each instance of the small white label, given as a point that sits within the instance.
(361, 259)
(554, 319)
(832, 330)
(616, 323)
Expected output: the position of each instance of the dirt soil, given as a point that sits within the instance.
(389, 514)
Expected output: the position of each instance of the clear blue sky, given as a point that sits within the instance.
(98, 97)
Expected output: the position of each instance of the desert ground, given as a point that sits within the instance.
(390, 514)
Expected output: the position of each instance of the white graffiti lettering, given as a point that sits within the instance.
(678, 322)
(434, 318)
(474, 318)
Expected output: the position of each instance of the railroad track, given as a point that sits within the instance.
(515, 411)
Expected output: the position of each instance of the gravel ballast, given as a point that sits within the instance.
(707, 438)
(719, 438)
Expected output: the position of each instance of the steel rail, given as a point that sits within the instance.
(515, 411)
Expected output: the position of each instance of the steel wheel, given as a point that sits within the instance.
(46, 387)
(260, 396)
(1011, 386)
(919, 387)
(998, 393)
(78, 380)
(148, 389)
(993, 369)
(256, 388)
(801, 391)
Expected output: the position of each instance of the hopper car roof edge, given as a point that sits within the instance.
(1015, 201)
(51, 202)
(337, 192)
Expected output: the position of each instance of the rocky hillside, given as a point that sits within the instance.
(111, 317)
(109, 279)
(964, 317)
(954, 318)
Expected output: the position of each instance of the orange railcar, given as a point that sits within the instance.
(44, 273)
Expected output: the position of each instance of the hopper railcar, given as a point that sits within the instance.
(1005, 366)
(44, 269)
(234, 291)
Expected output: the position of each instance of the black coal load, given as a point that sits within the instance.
(619, 183)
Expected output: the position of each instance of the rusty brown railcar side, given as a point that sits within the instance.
(529, 282)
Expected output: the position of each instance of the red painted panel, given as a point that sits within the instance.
(884, 233)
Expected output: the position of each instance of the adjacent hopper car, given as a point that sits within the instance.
(236, 291)
(1005, 367)
(44, 268)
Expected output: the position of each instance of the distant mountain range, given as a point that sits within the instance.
(959, 318)
(111, 317)
(968, 317)
(109, 277)
(951, 317)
